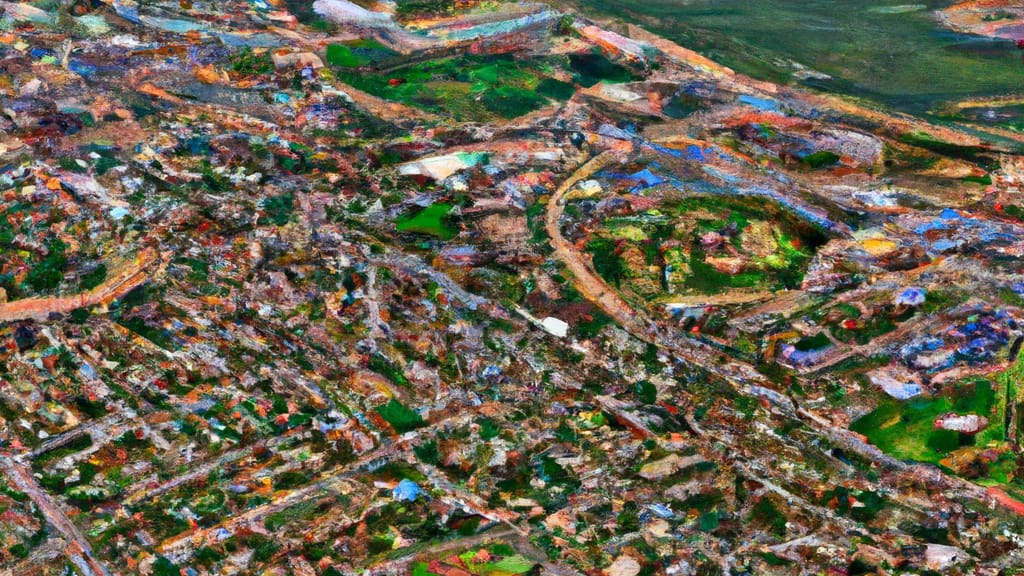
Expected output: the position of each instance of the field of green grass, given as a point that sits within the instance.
(479, 88)
(432, 220)
(905, 429)
(901, 58)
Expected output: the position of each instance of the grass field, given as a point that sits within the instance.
(898, 57)
(432, 220)
(905, 429)
(480, 88)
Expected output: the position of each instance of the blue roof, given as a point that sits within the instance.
(904, 392)
(406, 491)
(646, 178)
(661, 510)
(760, 103)
(912, 296)
(694, 152)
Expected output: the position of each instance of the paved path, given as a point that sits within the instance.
(124, 281)
(78, 549)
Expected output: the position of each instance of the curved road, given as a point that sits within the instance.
(743, 377)
(128, 278)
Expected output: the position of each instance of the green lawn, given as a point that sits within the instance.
(433, 220)
(470, 88)
(906, 430)
(905, 60)
(356, 53)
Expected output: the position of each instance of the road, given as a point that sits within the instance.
(743, 377)
(181, 546)
(124, 281)
(93, 426)
(78, 549)
(592, 286)
(905, 331)
(416, 266)
(504, 534)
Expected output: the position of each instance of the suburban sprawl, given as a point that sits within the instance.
(470, 287)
